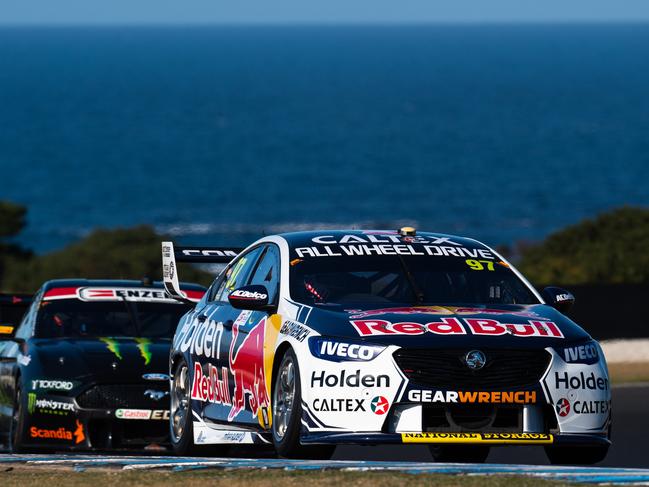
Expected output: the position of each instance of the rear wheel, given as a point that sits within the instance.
(459, 453)
(563, 455)
(287, 413)
(18, 421)
(181, 429)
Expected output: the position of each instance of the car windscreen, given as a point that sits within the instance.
(370, 280)
(72, 318)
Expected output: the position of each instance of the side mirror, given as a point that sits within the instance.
(558, 298)
(254, 298)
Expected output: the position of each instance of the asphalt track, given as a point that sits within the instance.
(630, 439)
(88, 462)
(631, 430)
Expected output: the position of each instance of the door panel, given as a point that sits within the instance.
(225, 383)
(250, 396)
(248, 358)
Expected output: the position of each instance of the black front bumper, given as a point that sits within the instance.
(490, 439)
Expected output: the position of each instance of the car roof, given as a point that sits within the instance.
(56, 283)
(302, 239)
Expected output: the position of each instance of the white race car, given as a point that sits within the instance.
(313, 339)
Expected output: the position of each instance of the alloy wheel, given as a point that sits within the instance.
(284, 397)
(179, 402)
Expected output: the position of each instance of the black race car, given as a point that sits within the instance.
(86, 366)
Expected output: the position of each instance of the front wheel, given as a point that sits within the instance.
(459, 453)
(18, 422)
(181, 429)
(287, 411)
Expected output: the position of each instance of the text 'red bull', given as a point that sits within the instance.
(209, 387)
(455, 326)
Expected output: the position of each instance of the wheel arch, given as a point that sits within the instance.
(277, 360)
(26, 418)
(18, 377)
(173, 361)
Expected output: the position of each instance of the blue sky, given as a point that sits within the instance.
(321, 11)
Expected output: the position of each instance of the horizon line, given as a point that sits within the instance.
(345, 23)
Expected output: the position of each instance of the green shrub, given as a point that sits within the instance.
(612, 248)
(12, 219)
(123, 253)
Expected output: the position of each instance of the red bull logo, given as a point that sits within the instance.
(247, 368)
(453, 326)
(439, 310)
(435, 310)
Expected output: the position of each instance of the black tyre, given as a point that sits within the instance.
(287, 413)
(16, 434)
(181, 431)
(459, 453)
(575, 455)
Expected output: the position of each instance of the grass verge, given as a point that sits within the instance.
(629, 372)
(37, 476)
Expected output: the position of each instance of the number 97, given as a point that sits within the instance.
(477, 265)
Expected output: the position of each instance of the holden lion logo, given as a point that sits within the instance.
(563, 407)
(475, 359)
(380, 405)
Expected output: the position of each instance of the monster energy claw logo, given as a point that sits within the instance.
(113, 346)
(143, 345)
(31, 402)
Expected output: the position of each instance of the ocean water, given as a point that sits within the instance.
(221, 134)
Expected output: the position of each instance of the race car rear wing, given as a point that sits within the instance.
(202, 255)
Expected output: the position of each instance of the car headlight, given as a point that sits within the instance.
(335, 350)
